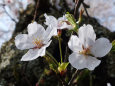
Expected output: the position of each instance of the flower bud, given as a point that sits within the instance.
(59, 32)
(71, 20)
(62, 68)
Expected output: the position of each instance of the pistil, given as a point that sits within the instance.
(85, 51)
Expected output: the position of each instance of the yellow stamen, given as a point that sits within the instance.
(38, 43)
(86, 51)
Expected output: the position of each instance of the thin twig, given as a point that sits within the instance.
(76, 4)
(35, 14)
(91, 84)
(85, 9)
(73, 77)
(7, 12)
(60, 49)
(9, 15)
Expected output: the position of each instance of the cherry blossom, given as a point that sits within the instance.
(71, 4)
(60, 23)
(9, 14)
(13, 7)
(37, 40)
(86, 48)
(108, 84)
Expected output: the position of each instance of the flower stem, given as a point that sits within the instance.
(60, 49)
(90, 80)
(52, 57)
(73, 77)
(62, 80)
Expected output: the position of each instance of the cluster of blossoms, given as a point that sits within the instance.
(9, 14)
(86, 48)
(13, 7)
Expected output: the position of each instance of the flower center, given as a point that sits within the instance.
(38, 43)
(85, 51)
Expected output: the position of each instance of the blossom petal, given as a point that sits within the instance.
(22, 41)
(92, 62)
(63, 18)
(75, 44)
(50, 20)
(87, 35)
(65, 25)
(108, 84)
(50, 31)
(80, 61)
(35, 29)
(101, 47)
(35, 53)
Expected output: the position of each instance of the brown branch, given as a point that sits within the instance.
(3, 5)
(35, 14)
(85, 8)
(76, 7)
(78, 4)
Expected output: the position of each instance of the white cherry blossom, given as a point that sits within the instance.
(37, 40)
(9, 14)
(86, 48)
(60, 23)
(108, 84)
(71, 4)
